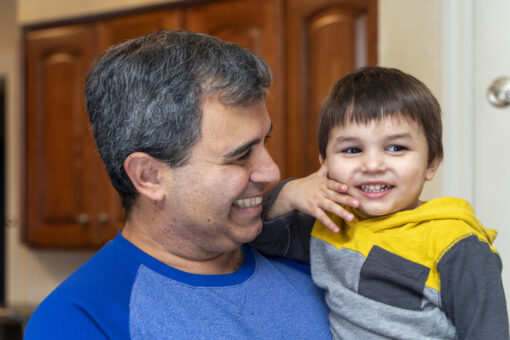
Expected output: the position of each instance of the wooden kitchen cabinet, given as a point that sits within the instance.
(61, 166)
(69, 201)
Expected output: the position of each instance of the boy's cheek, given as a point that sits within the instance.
(337, 172)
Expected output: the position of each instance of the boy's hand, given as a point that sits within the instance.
(314, 195)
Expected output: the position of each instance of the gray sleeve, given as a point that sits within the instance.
(287, 236)
(472, 290)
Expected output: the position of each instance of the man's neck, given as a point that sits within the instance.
(180, 256)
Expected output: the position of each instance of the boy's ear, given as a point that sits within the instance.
(321, 160)
(432, 168)
(143, 171)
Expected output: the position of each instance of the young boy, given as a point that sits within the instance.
(397, 267)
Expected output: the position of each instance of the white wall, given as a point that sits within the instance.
(409, 39)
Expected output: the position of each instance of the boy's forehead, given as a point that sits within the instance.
(366, 118)
(381, 124)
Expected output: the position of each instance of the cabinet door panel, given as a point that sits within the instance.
(61, 165)
(116, 30)
(325, 40)
(256, 25)
(57, 195)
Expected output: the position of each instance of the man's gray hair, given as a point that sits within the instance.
(146, 95)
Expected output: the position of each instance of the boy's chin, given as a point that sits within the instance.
(375, 212)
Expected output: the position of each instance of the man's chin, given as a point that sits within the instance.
(249, 233)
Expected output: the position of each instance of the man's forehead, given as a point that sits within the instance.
(228, 127)
(214, 113)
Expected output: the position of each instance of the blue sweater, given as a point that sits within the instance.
(124, 293)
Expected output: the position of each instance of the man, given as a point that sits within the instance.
(181, 123)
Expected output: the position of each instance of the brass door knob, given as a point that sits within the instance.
(103, 218)
(83, 219)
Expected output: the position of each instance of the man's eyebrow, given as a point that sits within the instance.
(245, 147)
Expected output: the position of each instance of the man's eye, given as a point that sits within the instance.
(396, 148)
(244, 156)
(351, 150)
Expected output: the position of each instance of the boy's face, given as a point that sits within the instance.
(384, 163)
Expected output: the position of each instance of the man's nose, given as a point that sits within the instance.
(265, 169)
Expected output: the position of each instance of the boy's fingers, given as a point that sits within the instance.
(340, 212)
(343, 199)
(328, 223)
(336, 186)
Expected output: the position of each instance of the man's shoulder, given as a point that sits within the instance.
(110, 267)
(95, 298)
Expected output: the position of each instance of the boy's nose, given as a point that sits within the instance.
(373, 163)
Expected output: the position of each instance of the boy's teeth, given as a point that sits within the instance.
(375, 187)
(248, 202)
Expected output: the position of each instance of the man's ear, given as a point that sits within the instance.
(432, 168)
(143, 171)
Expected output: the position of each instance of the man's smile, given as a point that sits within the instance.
(248, 202)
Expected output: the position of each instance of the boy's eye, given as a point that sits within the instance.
(396, 148)
(352, 150)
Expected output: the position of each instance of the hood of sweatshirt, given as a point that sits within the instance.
(446, 208)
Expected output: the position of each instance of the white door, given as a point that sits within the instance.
(477, 134)
(492, 125)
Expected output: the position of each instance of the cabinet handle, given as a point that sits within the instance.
(103, 218)
(82, 219)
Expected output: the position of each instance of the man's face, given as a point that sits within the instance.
(384, 163)
(213, 203)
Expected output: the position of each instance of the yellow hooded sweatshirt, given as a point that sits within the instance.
(430, 272)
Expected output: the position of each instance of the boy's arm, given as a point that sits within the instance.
(314, 195)
(472, 290)
(287, 235)
(286, 231)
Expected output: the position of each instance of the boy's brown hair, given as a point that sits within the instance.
(373, 93)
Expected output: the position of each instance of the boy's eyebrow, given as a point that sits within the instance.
(401, 136)
(346, 139)
(350, 139)
(241, 149)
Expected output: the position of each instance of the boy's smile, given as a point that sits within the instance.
(383, 162)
